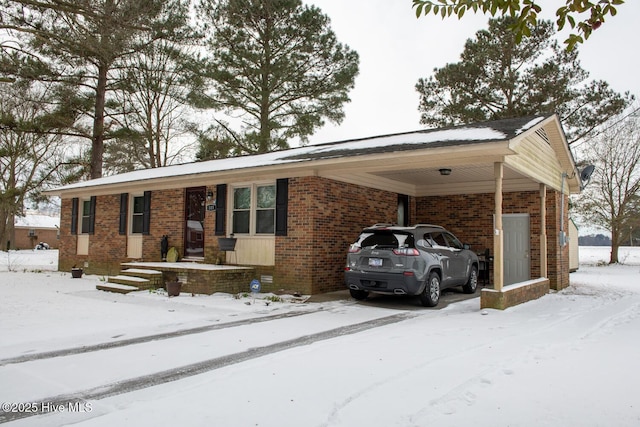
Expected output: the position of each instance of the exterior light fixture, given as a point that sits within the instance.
(445, 171)
(209, 195)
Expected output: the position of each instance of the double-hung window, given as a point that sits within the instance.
(85, 221)
(254, 208)
(137, 214)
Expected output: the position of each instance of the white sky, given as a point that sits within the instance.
(396, 49)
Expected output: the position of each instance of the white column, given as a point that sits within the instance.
(498, 243)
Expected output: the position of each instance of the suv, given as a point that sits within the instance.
(420, 260)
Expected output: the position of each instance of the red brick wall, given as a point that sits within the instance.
(107, 248)
(167, 213)
(24, 241)
(324, 218)
(558, 266)
(67, 242)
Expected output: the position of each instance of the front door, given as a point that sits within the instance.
(516, 248)
(194, 222)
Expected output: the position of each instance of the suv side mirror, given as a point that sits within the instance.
(466, 246)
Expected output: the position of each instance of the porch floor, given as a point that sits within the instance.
(171, 266)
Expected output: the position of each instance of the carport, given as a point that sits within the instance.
(491, 161)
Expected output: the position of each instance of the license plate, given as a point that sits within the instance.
(375, 262)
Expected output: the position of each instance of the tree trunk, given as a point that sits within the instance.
(97, 146)
(615, 244)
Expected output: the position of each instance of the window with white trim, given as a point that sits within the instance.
(254, 209)
(137, 214)
(85, 219)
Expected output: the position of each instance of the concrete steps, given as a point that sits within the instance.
(154, 277)
(132, 279)
(116, 287)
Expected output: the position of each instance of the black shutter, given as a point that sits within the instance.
(74, 215)
(92, 215)
(146, 213)
(221, 209)
(282, 201)
(124, 202)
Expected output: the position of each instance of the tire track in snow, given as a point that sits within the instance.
(148, 338)
(176, 374)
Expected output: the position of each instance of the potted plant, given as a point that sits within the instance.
(76, 272)
(173, 288)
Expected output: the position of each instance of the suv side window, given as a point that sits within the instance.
(453, 242)
(410, 241)
(439, 239)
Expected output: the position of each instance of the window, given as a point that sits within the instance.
(266, 210)
(85, 221)
(137, 215)
(439, 239)
(32, 232)
(454, 242)
(241, 210)
(254, 209)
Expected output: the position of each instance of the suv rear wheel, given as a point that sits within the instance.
(358, 294)
(430, 296)
(472, 283)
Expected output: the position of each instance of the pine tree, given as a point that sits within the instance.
(497, 77)
(278, 70)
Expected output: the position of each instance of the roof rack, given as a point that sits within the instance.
(428, 225)
(380, 225)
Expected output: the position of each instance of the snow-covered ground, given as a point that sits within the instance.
(93, 358)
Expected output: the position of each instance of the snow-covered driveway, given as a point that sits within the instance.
(566, 359)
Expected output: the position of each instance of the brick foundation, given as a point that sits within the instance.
(514, 294)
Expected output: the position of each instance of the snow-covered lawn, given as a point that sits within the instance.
(569, 358)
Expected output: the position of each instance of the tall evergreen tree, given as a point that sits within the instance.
(278, 70)
(82, 42)
(497, 77)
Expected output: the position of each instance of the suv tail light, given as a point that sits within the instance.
(354, 249)
(406, 251)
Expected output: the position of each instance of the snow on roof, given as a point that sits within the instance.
(32, 220)
(530, 124)
(498, 130)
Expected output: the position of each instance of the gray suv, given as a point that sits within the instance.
(420, 260)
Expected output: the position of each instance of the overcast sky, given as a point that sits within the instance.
(396, 49)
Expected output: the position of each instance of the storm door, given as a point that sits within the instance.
(194, 222)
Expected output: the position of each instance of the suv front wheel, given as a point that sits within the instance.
(430, 296)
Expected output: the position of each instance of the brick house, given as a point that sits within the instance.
(33, 228)
(500, 186)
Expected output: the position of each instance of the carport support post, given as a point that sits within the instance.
(498, 268)
(543, 230)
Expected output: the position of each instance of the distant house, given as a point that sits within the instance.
(34, 228)
(500, 186)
